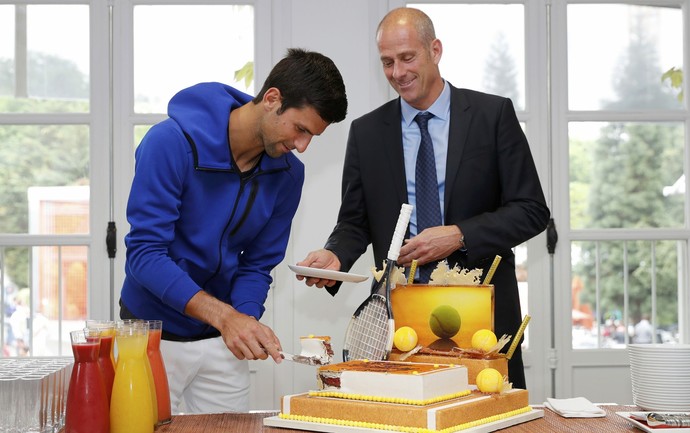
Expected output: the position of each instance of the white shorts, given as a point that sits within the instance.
(205, 377)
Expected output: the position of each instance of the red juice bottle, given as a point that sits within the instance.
(106, 329)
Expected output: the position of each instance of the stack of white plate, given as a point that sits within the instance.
(660, 376)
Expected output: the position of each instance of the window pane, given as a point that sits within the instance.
(139, 132)
(617, 284)
(626, 175)
(216, 41)
(45, 177)
(45, 298)
(46, 67)
(483, 47)
(617, 55)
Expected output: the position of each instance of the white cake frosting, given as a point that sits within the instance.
(428, 382)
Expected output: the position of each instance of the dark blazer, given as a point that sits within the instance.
(492, 191)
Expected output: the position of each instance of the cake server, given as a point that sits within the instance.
(301, 359)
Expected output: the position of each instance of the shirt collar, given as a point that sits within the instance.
(440, 108)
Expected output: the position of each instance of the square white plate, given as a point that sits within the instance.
(645, 427)
(328, 274)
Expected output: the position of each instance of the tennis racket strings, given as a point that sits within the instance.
(368, 334)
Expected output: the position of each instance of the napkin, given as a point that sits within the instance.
(578, 407)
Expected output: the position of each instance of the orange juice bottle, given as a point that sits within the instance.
(131, 409)
(160, 377)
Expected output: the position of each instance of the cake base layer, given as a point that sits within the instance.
(312, 426)
(438, 416)
(474, 366)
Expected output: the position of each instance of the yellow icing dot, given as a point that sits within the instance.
(415, 372)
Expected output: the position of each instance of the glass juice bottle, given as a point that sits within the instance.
(160, 377)
(87, 403)
(106, 360)
(131, 410)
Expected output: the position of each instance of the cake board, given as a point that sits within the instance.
(276, 421)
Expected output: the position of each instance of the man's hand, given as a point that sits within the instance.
(434, 243)
(245, 336)
(322, 259)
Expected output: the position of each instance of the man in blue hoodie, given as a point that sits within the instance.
(214, 192)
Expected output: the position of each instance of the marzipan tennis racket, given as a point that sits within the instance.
(369, 334)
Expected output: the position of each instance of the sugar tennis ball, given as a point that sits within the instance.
(445, 321)
(484, 339)
(405, 339)
(489, 380)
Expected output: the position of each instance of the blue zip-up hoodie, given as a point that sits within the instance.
(196, 224)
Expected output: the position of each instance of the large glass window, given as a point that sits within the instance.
(626, 174)
(48, 142)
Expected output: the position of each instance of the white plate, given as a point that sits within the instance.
(645, 427)
(328, 274)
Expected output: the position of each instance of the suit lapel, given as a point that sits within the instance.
(393, 149)
(460, 119)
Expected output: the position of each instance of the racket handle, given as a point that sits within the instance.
(400, 230)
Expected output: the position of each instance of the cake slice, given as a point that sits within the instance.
(317, 347)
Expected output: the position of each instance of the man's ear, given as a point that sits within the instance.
(272, 98)
(436, 50)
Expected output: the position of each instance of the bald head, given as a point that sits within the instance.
(409, 17)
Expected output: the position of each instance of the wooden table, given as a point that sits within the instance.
(253, 423)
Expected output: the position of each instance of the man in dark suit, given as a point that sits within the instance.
(490, 196)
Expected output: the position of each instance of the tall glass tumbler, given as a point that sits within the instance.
(131, 409)
(160, 377)
(87, 405)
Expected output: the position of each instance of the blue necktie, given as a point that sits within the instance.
(426, 187)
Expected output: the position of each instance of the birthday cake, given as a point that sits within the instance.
(401, 396)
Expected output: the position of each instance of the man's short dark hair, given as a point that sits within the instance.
(307, 78)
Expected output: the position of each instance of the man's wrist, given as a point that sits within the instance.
(463, 247)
